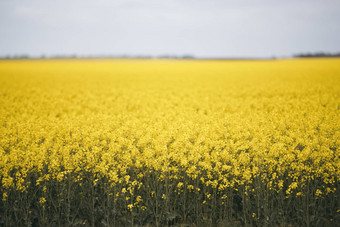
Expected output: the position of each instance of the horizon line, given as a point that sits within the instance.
(164, 56)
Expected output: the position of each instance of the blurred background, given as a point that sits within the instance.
(169, 28)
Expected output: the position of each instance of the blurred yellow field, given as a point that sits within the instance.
(162, 142)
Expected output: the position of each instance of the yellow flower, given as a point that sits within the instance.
(4, 196)
(318, 192)
(42, 201)
(130, 207)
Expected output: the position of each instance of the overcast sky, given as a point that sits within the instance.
(210, 28)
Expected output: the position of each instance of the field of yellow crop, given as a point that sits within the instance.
(170, 142)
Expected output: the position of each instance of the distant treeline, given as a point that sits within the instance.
(186, 56)
(317, 55)
(24, 56)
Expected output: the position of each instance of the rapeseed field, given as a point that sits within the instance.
(170, 142)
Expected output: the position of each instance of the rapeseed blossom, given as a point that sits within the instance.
(218, 138)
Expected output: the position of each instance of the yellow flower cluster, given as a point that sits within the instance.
(152, 132)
